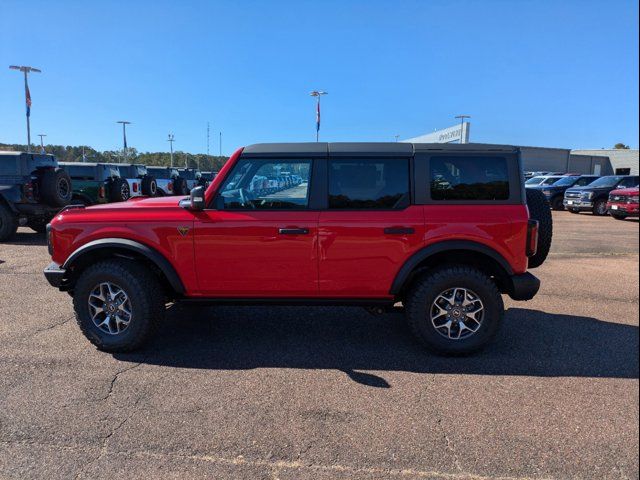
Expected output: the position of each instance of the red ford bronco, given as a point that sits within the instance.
(443, 229)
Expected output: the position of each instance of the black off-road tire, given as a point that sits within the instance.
(180, 186)
(119, 190)
(144, 292)
(574, 211)
(8, 222)
(539, 210)
(556, 203)
(55, 187)
(618, 216)
(149, 186)
(426, 289)
(600, 208)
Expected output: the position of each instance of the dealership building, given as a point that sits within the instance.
(535, 159)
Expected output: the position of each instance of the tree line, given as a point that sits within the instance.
(205, 163)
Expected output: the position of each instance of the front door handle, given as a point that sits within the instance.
(399, 231)
(293, 231)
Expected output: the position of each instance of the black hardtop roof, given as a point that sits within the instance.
(368, 148)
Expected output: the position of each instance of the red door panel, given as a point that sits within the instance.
(358, 258)
(257, 253)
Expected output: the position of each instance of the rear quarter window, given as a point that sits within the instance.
(469, 178)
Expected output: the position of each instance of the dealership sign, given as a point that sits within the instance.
(458, 133)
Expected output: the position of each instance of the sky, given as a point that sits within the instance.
(538, 73)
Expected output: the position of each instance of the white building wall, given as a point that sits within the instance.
(619, 158)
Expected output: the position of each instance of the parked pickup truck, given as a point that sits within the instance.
(95, 183)
(363, 224)
(553, 188)
(32, 190)
(594, 197)
(623, 203)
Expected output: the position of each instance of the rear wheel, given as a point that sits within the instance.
(149, 186)
(180, 186)
(539, 210)
(8, 222)
(619, 216)
(117, 304)
(454, 310)
(600, 208)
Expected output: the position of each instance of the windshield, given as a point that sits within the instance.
(606, 182)
(549, 181)
(534, 181)
(565, 182)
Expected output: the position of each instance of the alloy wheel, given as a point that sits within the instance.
(457, 313)
(110, 308)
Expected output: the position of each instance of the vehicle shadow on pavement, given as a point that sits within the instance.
(531, 343)
(27, 238)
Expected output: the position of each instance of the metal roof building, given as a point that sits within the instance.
(621, 159)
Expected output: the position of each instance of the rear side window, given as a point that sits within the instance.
(370, 184)
(469, 178)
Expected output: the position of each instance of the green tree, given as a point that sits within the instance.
(621, 146)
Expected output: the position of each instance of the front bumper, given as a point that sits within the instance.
(629, 209)
(582, 205)
(55, 275)
(523, 286)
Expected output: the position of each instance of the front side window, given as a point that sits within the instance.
(469, 178)
(370, 184)
(534, 181)
(584, 181)
(267, 185)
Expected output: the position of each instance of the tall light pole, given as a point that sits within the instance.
(220, 142)
(462, 117)
(27, 96)
(318, 94)
(397, 136)
(124, 138)
(42, 135)
(171, 139)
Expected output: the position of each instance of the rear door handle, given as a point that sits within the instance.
(293, 231)
(399, 231)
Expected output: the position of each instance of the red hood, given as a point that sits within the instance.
(141, 202)
(626, 191)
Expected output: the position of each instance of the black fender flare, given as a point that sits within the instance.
(151, 254)
(412, 262)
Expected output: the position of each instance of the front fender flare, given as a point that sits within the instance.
(409, 266)
(122, 243)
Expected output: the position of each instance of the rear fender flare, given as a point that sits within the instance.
(406, 271)
(151, 254)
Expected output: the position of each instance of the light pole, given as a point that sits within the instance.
(124, 138)
(42, 135)
(171, 139)
(27, 96)
(220, 143)
(397, 136)
(318, 94)
(462, 117)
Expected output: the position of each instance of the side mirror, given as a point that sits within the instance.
(196, 200)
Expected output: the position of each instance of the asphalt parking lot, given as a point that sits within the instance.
(331, 393)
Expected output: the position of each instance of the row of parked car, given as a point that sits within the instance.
(615, 195)
(34, 187)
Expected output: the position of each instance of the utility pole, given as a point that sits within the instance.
(42, 135)
(27, 97)
(318, 94)
(207, 139)
(397, 136)
(462, 117)
(220, 143)
(124, 138)
(171, 139)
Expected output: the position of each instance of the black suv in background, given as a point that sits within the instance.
(594, 197)
(32, 190)
(554, 187)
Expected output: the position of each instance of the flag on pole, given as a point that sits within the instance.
(317, 116)
(27, 95)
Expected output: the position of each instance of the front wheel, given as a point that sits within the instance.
(600, 208)
(574, 211)
(117, 304)
(618, 216)
(454, 310)
(556, 204)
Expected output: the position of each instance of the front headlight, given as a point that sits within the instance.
(587, 195)
(634, 199)
(546, 192)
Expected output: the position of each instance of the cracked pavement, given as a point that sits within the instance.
(330, 393)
